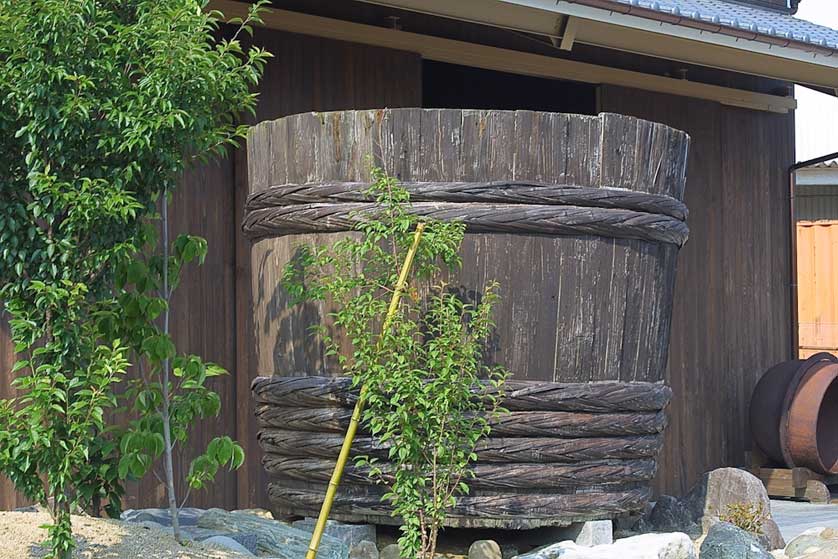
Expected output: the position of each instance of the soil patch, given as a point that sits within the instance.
(98, 538)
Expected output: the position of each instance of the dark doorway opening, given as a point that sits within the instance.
(449, 86)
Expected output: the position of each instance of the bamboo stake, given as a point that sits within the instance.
(320, 527)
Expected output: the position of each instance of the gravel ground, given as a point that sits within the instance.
(97, 538)
(794, 517)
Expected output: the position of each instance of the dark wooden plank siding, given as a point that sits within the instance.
(8, 498)
(731, 312)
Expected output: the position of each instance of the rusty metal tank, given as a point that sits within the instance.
(794, 413)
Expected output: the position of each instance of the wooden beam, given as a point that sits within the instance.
(795, 483)
(503, 60)
(561, 22)
(569, 35)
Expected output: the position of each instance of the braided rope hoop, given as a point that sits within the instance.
(489, 207)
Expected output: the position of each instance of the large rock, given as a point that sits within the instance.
(264, 513)
(484, 549)
(771, 537)
(350, 534)
(273, 538)
(390, 552)
(815, 540)
(593, 532)
(710, 499)
(724, 487)
(363, 550)
(646, 546)
(186, 517)
(726, 541)
(672, 515)
(228, 544)
(197, 534)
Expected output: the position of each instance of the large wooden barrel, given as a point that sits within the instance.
(578, 218)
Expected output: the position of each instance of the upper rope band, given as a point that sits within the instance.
(497, 206)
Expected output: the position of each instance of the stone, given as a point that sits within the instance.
(196, 534)
(696, 514)
(273, 538)
(31, 508)
(390, 552)
(227, 543)
(364, 550)
(248, 541)
(149, 525)
(264, 513)
(822, 555)
(719, 489)
(646, 546)
(349, 534)
(484, 549)
(726, 541)
(594, 532)
(672, 515)
(630, 525)
(814, 540)
(771, 537)
(187, 516)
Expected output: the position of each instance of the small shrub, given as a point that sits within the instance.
(425, 374)
(747, 516)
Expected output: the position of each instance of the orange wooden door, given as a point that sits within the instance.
(817, 278)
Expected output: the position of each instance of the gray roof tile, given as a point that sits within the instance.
(747, 18)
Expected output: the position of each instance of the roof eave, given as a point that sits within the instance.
(608, 28)
(707, 26)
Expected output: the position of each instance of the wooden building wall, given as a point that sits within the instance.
(731, 304)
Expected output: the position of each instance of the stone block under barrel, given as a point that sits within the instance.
(579, 218)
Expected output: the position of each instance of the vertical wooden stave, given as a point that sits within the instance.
(616, 278)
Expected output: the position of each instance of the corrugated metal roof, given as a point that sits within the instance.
(753, 19)
(827, 165)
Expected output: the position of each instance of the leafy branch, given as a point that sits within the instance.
(430, 394)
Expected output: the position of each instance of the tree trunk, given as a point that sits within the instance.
(165, 415)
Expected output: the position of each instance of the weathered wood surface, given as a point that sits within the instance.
(495, 449)
(491, 477)
(500, 192)
(795, 483)
(575, 307)
(478, 218)
(731, 317)
(529, 451)
(504, 510)
(586, 288)
(513, 424)
(306, 74)
(316, 391)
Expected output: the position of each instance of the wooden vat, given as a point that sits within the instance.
(579, 219)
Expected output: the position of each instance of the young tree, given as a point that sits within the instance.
(430, 394)
(169, 393)
(103, 104)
